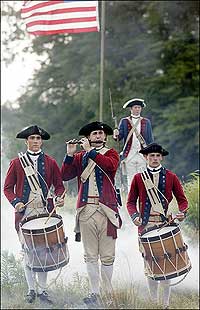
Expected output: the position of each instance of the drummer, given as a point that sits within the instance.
(18, 190)
(152, 191)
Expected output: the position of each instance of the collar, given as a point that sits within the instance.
(154, 170)
(134, 116)
(31, 153)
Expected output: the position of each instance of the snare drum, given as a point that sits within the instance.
(164, 252)
(45, 245)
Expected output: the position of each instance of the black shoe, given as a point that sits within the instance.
(92, 299)
(44, 297)
(30, 297)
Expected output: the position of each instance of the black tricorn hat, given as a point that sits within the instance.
(87, 129)
(154, 148)
(33, 130)
(134, 101)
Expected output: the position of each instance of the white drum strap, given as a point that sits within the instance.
(152, 192)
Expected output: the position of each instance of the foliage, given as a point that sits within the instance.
(12, 274)
(191, 189)
(151, 51)
(70, 296)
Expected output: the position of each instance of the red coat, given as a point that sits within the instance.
(16, 187)
(138, 190)
(73, 167)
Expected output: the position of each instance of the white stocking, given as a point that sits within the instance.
(153, 289)
(106, 276)
(93, 275)
(42, 281)
(165, 284)
(30, 277)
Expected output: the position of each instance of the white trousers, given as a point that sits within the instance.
(153, 287)
(134, 164)
(35, 280)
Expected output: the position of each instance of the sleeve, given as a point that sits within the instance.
(57, 180)
(69, 168)
(150, 137)
(132, 199)
(108, 162)
(10, 183)
(121, 129)
(180, 195)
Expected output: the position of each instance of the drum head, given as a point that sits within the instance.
(39, 223)
(158, 232)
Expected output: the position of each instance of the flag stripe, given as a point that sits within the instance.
(64, 21)
(69, 16)
(47, 17)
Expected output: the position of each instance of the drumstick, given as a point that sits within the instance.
(167, 223)
(29, 202)
(50, 214)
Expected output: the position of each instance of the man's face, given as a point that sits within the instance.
(136, 110)
(153, 159)
(34, 143)
(97, 135)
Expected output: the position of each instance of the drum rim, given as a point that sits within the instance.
(172, 275)
(50, 268)
(41, 230)
(163, 236)
(145, 230)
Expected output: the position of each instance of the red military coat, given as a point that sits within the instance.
(137, 191)
(73, 167)
(17, 189)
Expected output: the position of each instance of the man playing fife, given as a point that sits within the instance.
(97, 217)
(150, 213)
(136, 132)
(29, 200)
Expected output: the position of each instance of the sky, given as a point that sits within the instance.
(15, 76)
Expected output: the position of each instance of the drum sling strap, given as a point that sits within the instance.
(90, 167)
(152, 192)
(31, 175)
(138, 135)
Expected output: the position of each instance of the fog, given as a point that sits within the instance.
(128, 266)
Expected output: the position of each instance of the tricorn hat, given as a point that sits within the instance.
(154, 148)
(134, 101)
(87, 129)
(33, 130)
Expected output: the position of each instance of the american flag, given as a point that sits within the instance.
(53, 17)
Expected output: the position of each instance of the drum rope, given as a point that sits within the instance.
(154, 257)
(167, 255)
(178, 250)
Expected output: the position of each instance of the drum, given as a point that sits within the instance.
(164, 252)
(45, 245)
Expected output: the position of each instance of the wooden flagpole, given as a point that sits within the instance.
(102, 60)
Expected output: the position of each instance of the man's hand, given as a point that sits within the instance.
(180, 216)
(137, 221)
(59, 202)
(71, 147)
(19, 207)
(115, 133)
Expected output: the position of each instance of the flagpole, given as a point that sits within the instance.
(102, 60)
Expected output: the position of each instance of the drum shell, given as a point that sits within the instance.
(165, 254)
(45, 248)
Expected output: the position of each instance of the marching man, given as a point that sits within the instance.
(97, 217)
(136, 132)
(154, 188)
(27, 190)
